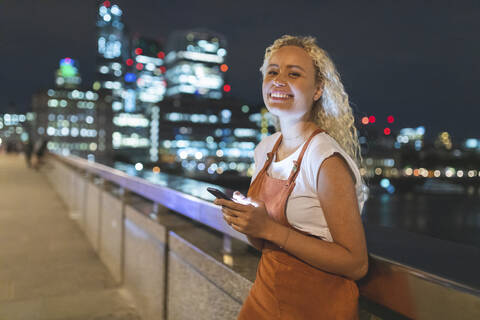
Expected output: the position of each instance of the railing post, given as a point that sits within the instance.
(155, 211)
(227, 250)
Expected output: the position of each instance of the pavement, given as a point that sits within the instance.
(48, 270)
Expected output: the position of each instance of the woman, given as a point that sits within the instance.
(307, 191)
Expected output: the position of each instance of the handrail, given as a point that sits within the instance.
(193, 207)
(396, 286)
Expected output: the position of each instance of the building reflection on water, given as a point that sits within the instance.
(453, 218)
(450, 217)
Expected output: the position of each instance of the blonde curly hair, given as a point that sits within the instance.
(332, 112)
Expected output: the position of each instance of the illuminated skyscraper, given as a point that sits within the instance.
(146, 69)
(67, 75)
(202, 129)
(208, 137)
(136, 125)
(109, 67)
(110, 45)
(196, 64)
(73, 120)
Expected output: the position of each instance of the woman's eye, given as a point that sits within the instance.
(272, 72)
(295, 74)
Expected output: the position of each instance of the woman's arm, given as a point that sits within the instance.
(256, 242)
(347, 254)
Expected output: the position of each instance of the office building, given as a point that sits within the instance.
(72, 119)
(208, 137)
(15, 129)
(196, 64)
(135, 136)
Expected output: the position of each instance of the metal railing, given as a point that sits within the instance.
(399, 288)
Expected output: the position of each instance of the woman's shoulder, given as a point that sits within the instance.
(267, 142)
(323, 143)
(324, 146)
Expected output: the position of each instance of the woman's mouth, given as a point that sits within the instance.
(279, 96)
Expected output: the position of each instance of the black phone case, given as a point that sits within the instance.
(218, 194)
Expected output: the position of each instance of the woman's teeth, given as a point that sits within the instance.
(279, 95)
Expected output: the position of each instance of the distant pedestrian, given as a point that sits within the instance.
(28, 150)
(40, 149)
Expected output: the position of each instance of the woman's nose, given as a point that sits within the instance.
(278, 82)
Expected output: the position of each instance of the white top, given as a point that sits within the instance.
(304, 210)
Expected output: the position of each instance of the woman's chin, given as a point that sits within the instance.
(275, 108)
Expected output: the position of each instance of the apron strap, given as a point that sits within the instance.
(275, 148)
(298, 162)
(270, 155)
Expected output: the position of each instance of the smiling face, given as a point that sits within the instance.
(289, 86)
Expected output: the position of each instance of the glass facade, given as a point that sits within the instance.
(14, 129)
(208, 137)
(145, 86)
(196, 64)
(71, 122)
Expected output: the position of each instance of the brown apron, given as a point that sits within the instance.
(286, 287)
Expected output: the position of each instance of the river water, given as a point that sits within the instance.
(452, 217)
(448, 217)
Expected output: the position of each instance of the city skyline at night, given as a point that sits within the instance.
(415, 61)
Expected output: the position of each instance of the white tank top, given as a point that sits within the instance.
(304, 211)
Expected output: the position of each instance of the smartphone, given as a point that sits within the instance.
(218, 194)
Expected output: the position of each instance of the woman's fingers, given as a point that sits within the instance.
(231, 218)
(230, 204)
(237, 227)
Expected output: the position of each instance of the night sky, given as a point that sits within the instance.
(417, 60)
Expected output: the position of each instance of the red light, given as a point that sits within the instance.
(163, 69)
(387, 131)
(390, 119)
(224, 68)
(227, 88)
(129, 62)
(139, 66)
(161, 54)
(365, 120)
(371, 119)
(106, 4)
(138, 51)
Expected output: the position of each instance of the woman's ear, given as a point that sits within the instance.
(318, 93)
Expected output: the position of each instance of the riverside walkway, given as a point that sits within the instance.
(167, 244)
(48, 270)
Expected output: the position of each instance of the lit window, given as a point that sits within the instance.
(89, 95)
(50, 131)
(53, 103)
(116, 10)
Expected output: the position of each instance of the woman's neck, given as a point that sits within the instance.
(295, 133)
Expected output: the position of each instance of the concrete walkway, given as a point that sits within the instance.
(48, 270)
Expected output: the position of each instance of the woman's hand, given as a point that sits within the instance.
(248, 219)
